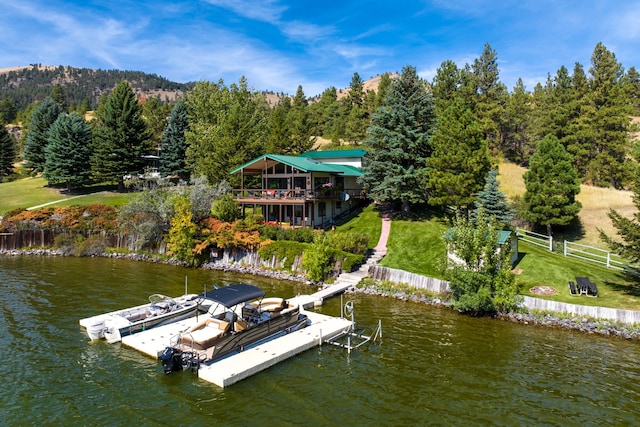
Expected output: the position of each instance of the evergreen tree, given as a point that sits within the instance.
(460, 158)
(354, 112)
(120, 137)
(399, 142)
(60, 97)
(381, 93)
(632, 89)
(302, 138)
(493, 201)
(486, 95)
(7, 153)
(324, 112)
(445, 85)
(628, 229)
(279, 140)
(41, 120)
(68, 151)
(552, 185)
(606, 116)
(8, 111)
(517, 145)
(174, 144)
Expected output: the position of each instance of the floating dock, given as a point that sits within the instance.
(254, 359)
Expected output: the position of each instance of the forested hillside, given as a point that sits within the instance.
(25, 85)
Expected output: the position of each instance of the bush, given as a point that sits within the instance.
(285, 252)
(355, 243)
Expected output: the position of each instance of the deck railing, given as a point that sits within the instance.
(262, 194)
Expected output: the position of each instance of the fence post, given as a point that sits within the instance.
(608, 258)
(565, 248)
(550, 243)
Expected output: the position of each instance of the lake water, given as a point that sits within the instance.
(433, 366)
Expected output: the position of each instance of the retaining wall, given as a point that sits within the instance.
(440, 286)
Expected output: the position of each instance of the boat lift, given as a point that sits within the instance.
(344, 338)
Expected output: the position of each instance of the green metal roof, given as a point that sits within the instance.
(304, 164)
(332, 154)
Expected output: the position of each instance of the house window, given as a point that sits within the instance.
(322, 209)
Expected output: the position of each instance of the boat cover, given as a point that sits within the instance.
(234, 294)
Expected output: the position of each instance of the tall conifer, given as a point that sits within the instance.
(120, 137)
(399, 142)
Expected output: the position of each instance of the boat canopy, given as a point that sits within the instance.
(234, 294)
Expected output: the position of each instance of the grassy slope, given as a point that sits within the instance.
(596, 203)
(368, 221)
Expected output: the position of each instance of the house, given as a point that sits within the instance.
(313, 189)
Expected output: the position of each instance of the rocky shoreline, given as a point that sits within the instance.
(582, 324)
(602, 327)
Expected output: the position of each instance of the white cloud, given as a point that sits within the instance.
(260, 10)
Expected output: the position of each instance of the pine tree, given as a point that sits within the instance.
(354, 112)
(486, 95)
(460, 158)
(68, 151)
(445, 85)
(279, 141)
(552, 185)
(8, 111)
(383, 89)
(300, 128)
(632, 89)
(174, 144)
(399, 142)
(42, 118)
(518, 138)
(627, 244)
(606, 117)
(120, 137)
(60, 97)
(493, 201)
(7, 153)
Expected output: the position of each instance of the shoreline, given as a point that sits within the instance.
(602, 327)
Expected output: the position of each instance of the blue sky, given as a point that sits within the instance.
(280, 44)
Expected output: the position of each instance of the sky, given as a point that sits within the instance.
(280, 44)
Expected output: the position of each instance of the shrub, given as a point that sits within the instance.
(355, 243)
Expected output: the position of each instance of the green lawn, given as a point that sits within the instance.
(29, 192)
(368, 221)
(539, 267)
(416, 245)
(26, 192)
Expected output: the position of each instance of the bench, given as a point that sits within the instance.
(204, 333)
(572, 289)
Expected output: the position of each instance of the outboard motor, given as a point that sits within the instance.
(171, 359)
(174, 359)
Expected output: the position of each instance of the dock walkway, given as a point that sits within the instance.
(254, 359)
(261, 356)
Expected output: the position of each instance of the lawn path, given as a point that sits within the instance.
(381, 247)
(54, 202)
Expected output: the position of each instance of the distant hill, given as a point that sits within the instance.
(25, 85)
(28, 84)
